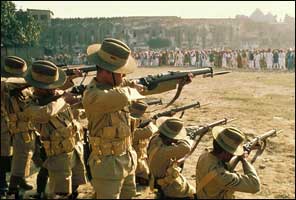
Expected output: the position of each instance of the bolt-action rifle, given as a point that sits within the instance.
(258, 144)
(197, 132)
(169, 113)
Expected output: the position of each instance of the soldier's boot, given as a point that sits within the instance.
(17, 182)
(42, 178)
(24, 185)
(3, 183)
(142, 181)
(74, 193)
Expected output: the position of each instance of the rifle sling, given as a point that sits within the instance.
(206, 179)
(179, 90)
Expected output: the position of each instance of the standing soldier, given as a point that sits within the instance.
(14, 67)
(214, 179)
(165, 148)
(141, 138)
(106, 99)
(16, 96)
(60, 133)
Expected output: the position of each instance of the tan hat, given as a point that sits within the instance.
(230, 139)
(14, 67)
(138, 108)
(46, 75)
(112, 55)
(173, 128)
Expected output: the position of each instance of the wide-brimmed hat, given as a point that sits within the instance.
(112, 55)
(14, 67)
(173, 128)
(138, 108)
(46, 75)
(230, 139)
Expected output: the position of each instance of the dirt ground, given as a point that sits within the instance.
(260, 101)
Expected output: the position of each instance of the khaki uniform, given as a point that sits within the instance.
(61, 137)
(165, 172)
(6, 149)
(223, 183)
(113, 161)
(23, 132)
(140, 143)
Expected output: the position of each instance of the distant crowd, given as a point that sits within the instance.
(278, 59)
(253, 59)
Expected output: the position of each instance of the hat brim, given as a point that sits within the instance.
(237, 152)
(181, 135)
(6, 74)
(16, 80)
(60, 82)
(93, 57)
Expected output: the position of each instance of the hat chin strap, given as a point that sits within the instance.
(114, 80)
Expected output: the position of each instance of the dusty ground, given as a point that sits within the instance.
(260, 101)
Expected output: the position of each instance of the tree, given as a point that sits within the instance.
(159, 43)
(18, 28)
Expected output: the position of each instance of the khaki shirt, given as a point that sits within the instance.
(160, 161)
(12, 106)
(55, 122)
(159, 156)
(225, 183)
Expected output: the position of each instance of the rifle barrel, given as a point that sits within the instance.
(215, 74)
(85, 69)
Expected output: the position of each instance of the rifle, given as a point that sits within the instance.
(86, 152)
(153, 101)
(200, 131)
(84, 69)
(258, 144)
(169, 113)
(151, 81)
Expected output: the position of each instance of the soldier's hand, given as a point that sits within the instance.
(139, 87)
(187, 79)
(70, 98)
(244, 155)
(77, 73)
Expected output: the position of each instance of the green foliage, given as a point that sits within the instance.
(159, 43)
(18, 28)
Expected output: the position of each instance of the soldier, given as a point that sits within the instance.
(165, 148)
(141, 139)
(214, 180)
(60, 133)
(14, 67)
(16, 96)
(39, 155)
(106, 99)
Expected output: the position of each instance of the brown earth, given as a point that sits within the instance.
(260, 101)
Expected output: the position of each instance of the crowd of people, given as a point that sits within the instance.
(270, 59)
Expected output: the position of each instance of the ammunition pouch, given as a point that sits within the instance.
(118, 146)
(53, 148)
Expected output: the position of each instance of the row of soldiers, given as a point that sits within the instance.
(41, 116)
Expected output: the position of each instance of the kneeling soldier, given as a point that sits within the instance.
(141, 140)
(164, 150)
(214, 180)
(60, 134)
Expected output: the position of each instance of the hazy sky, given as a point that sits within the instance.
(184, 9)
